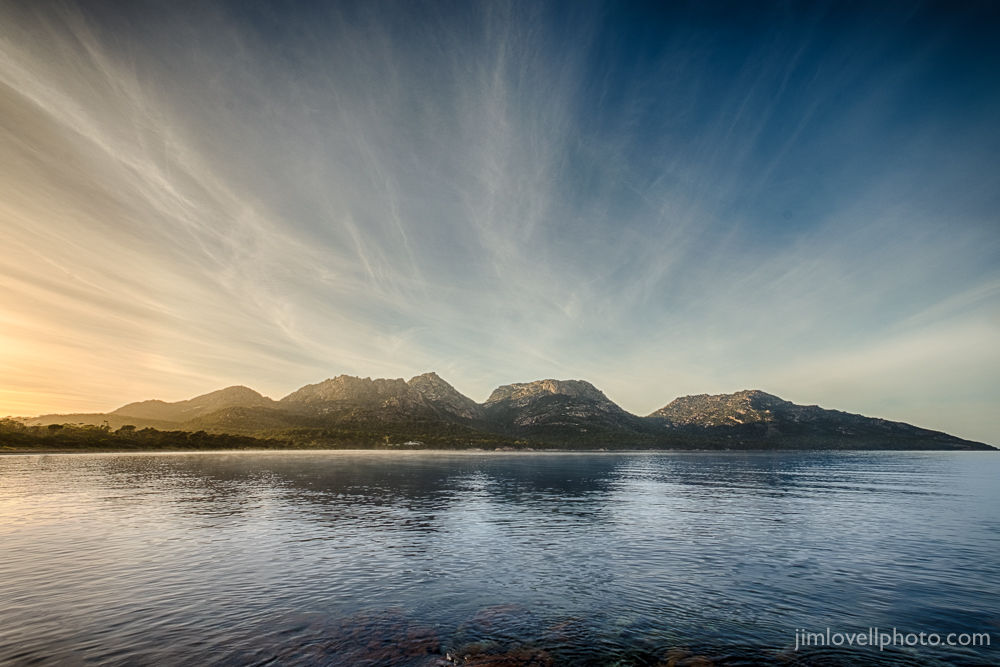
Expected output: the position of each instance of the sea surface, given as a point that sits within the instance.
(497, 559)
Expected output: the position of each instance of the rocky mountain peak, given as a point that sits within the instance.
(527, 390)
(429, 383)
(747, 406)
(348, 388)
(755, 398)
(575, 405)
(443, 397)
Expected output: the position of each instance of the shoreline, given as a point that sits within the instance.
(60, 452)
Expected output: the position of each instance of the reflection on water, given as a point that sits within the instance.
(340, 558)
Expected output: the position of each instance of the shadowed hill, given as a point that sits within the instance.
(195, 407)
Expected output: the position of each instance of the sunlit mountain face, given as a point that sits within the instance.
(664, 200)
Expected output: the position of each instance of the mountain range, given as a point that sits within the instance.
(545, 413)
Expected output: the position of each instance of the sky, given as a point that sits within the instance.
(662, 199)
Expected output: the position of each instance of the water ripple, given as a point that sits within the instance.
(406, 559)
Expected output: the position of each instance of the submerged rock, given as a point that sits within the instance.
(497, 623)
(499, 636)
(514, 658)
(679, 657)
(369, 639)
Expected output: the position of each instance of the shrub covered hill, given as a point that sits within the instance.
(427, 412)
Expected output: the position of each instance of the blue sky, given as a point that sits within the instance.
(661, 200)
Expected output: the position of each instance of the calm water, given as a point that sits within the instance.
(341, 558)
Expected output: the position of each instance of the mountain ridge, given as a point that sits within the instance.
(565, 412)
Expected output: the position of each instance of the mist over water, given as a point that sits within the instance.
(577, 559)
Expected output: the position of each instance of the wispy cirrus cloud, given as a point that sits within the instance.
(202, 196)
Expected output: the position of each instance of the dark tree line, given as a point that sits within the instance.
(15, 435)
